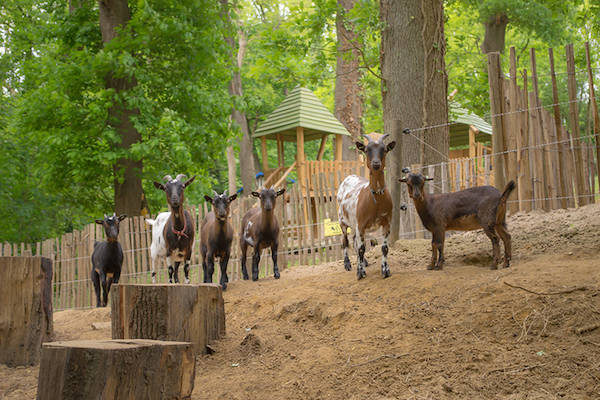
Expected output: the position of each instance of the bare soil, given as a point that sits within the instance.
(463, 332)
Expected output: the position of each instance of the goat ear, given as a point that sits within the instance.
(255, 194)
(208, 198)
(100, 221)
(189, 181)
(122, 217)
(232, 197)
(280, 192)
(403, 180)
(428, 178)
(159, 185)
(390, 146)
(360, 146)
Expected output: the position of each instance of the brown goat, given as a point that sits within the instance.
(366, 205)
(481, 207)
(260, 229)
(216, 236)
(179, 229)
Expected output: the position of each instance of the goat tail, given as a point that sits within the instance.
(150, 221)
(501, 210)
(510, 186)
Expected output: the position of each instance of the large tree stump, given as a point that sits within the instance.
(190, 313)
(116, 369)
(25, 308)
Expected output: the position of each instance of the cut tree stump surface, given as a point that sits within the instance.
(116, 369)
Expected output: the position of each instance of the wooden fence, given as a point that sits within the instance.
(551, 161)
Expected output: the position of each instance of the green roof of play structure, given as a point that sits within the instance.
(300, 108)
(460, 120)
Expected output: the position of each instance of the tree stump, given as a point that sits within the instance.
(116, 369)
(190, 313)
(25, 308)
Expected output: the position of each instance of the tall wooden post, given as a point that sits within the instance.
(526, 152)
(494, 80)
(300, 167)
(338, 147)
(472, 144)
(558, 126)
(512, 133)
(594, 107)
(581, 184)
(522, 171)
(280, 151)
(549, 167)
(265, 160)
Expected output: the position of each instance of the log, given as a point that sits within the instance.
(116, 369)
(188, 313)
(25, 308)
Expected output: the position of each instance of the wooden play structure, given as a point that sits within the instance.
(301, 117)
(469, 135)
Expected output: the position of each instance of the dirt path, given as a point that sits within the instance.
(317, 333)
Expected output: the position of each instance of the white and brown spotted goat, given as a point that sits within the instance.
(179, 228)
(366, 205)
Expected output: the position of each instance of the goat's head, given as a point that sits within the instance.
(375, 150)
(174, 189)
(267, 198)
(416, 185)
(111, 226)
(220, 203)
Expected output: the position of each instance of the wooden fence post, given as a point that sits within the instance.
(582, 193)
(547, 156)
(594, 107)
(495, 84)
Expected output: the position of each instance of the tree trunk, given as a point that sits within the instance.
(247, 165)
(114, 14)
(25, 308)
(187, 313)
(348, 101)
(231, 170)
(414, 90)
(495, 30)
(116, 369)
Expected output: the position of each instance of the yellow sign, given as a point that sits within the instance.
(332, 228)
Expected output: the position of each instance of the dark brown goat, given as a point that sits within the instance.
(179, 229)
(216, 236)
(482, 207)
(260, 229)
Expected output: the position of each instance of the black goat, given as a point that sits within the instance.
(107, 258)
(260, 229)
(216, 236)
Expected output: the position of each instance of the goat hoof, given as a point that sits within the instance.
(494, 266)
(361, 274)
(385, 272)
(187, 280)
(276, 275)
(224, 285)
(254, 278)
(438, 267)
(347, 265)
(246, 277)
(430, 267)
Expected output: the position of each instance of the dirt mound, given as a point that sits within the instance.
(251, 345)
(458, 333)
